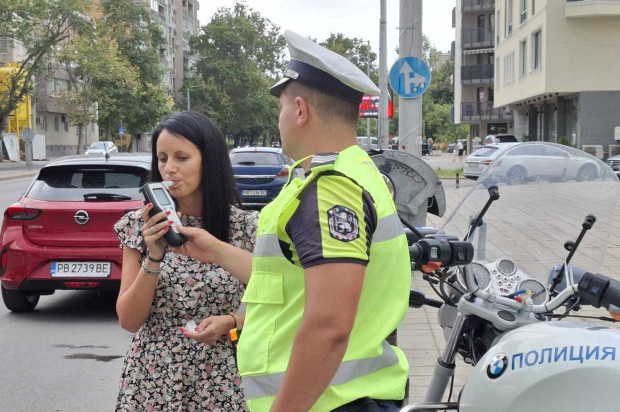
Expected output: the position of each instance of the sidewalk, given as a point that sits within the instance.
(15, 170)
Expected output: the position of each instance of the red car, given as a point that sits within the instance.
(59, 235)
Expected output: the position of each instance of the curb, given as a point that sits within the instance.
(19, 176)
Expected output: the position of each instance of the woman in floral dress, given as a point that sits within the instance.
(161, 290)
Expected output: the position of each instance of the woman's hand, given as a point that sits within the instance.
(153, 231)
(200, 245)
(211, 329)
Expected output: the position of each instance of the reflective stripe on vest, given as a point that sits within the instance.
(268, 385)
(267, 245)
(388, 228)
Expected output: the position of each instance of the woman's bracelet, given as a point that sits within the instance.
(150, 271)
(148, 256)
(235, 319)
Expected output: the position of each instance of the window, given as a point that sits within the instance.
(533, 7)
(497, 72)
(66, 126)
(4, 45)
(537, 50)
(497, 19)
(508, 25)
(56, 86)
(522, 58)
(56, 123)
(523, 8)
(509, 73)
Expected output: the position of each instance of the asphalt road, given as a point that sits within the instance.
(64, 356)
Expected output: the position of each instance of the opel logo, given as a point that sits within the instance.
(81, 217)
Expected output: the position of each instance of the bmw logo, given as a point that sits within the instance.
(497, 365)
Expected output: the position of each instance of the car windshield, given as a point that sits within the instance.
(505, 139)
(71, 183)
(256, 158)
(545, 193)
(485, 152)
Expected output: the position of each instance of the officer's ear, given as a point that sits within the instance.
(302, 111)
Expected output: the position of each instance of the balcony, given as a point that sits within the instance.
(475, 6)
(483, 111)
(481, 38)
(477, 74)
(592, 8)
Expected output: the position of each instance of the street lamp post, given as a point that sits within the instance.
(191, 87)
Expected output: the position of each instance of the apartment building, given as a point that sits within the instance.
(474, 69)
(557, 68)
(178, 20)
(49, 121)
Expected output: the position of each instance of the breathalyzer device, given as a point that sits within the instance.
(157, 194)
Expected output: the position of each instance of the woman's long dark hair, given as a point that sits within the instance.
(219, 190)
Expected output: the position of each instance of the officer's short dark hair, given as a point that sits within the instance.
(328, 108)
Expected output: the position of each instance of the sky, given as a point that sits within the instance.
(354, 18)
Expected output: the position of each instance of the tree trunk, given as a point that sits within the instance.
(80, 142)
(4, 121)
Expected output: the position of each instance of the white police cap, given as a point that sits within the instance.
(322, 69)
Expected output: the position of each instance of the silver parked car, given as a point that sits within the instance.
(614, 163)
(479, 161)
(528, 162)
(101, 148)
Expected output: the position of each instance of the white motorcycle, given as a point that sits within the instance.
(511, 289)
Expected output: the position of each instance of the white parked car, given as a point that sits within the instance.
(101, 148)
(479, 161)
(500, 138)
(529, 162)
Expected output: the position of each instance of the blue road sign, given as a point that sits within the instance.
(410, 77)
(121, 130)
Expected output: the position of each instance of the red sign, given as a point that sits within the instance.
(369, 107)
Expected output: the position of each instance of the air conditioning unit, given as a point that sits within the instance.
(40, 119)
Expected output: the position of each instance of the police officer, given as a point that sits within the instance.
(330, 274)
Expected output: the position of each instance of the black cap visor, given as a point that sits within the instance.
(317, 79)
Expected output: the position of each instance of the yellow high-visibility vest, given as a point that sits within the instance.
(275, 298)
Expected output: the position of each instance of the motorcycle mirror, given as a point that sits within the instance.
(417, 189)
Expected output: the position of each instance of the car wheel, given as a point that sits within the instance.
(516, 175)
(586, 173)
(18, 300)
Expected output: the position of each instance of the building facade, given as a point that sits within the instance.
(557, 69)
(474, 69)
(178, 20)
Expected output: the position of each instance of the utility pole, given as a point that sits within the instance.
(410, 125)
(384, 126)
(368, 73)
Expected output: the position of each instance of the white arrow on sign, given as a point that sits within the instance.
(416, 81)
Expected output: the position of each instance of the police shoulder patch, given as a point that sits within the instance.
(343, 223)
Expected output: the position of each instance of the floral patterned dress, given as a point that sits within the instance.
(163, 370)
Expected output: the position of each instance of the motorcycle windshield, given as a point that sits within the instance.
(546, 191)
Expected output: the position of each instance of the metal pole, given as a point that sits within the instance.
(188, 87)
(384, 126)
(410, 126)
(368, 73)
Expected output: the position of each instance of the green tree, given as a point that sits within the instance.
(140, 43)
(92, 58)
(356, 50)
(36, 27)
(240, 53)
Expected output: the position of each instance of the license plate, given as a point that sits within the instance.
(81, 269)
(254, 193)
(473, 165)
